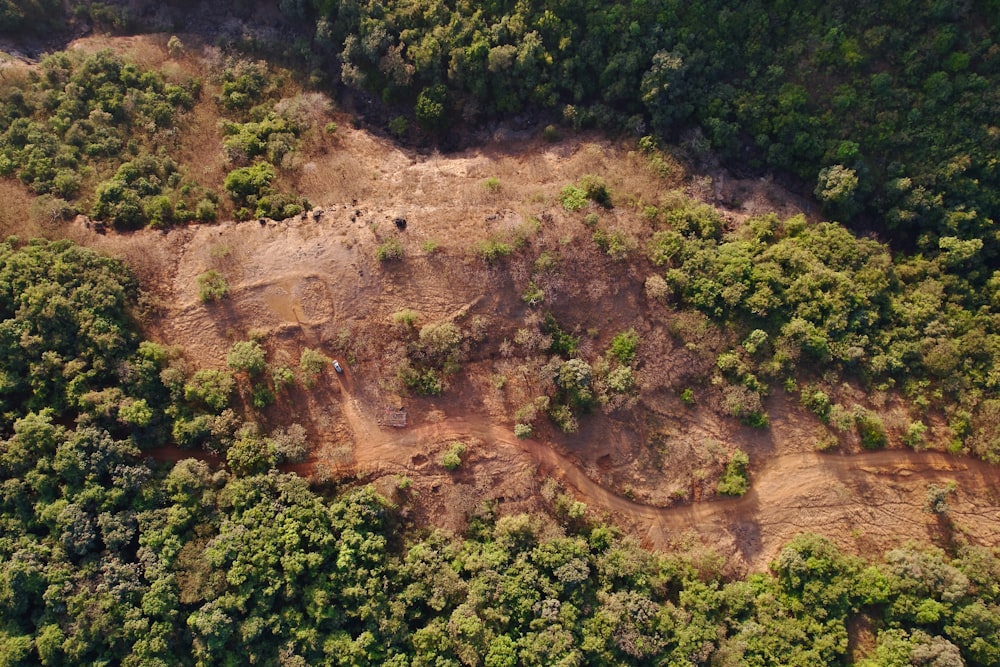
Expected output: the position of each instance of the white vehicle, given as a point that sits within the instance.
(337, 367)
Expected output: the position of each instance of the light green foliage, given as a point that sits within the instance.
(572, 198)
(870, 429)
(523, 430)
(615, 243)
(492, 250)
(212, 286)
(533, 295)
(736, 480)
(452, 459)
(390, 250)
(247, 356)
(623, 346)
(816, 401)
(282, 376)
(312, 364)
(688, 396)
(211, 388)
(405, 319)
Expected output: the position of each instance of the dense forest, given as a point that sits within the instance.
(109, 558)
(886, 113)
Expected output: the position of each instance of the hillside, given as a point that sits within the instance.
(602, 345)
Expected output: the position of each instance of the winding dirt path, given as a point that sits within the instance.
(864, 501)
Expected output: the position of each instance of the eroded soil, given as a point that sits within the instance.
(650, 465)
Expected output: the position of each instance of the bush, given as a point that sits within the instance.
(623, 347)
(491, 250)
(247, 356)
(247, 184)
(562, 416)
(572, 198)
(211, 388)
(870, 429)
(736, 480)
(406, 318)
(452, 459)
(523, 431)
(211, 286)
(311, 364)
(390, 250)
(595, 189)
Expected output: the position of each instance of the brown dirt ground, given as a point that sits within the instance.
(651, 466)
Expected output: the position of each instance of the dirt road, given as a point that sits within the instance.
(864, 501)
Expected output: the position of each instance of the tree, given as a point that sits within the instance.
(247, 356)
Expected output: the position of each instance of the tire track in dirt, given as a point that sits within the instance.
(872, 496)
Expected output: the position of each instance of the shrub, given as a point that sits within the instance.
(491, 250)
(261, 396)
(311, 364)
(870, 429)
(936, 501)
(282, 376)
(616, 244)
(398, 126)
(211, 286)
(523, 430)
(452, 459)
(817, 402)
(596, 190)
(390, 250)
(211, 388)
(533, 294)
(430, 246)
(562, 416)
(688, 396)
(247, 356)
(406, 318)
(492, 184)
(657, 288)
(572, 198)
(247, 184)
(736, 480)
(623, 347)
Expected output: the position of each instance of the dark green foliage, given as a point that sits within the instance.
(93, 113)
(37, 16)
(563, 343)
(104, 560)
(63, 328)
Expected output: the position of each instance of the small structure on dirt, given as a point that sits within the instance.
(393, 417)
